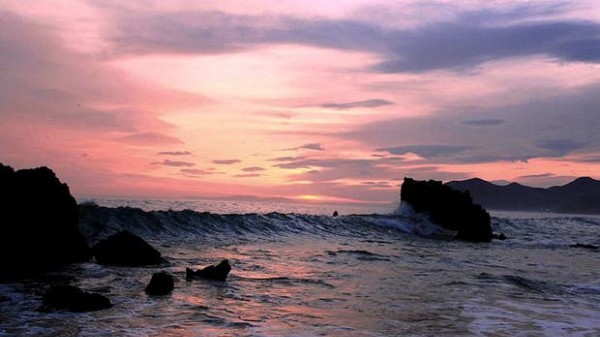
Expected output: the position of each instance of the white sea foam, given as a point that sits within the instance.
(419, 224)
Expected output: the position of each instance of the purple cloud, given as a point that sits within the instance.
(168, 162)
(426, 150)
(370, 103)
(309, 146)
(542, 175)
(553, 126)
(226, 161)
(248, 175)
(175, 153)
(560, 147)
(469, 39)
(286, 158)
(484, 122)
(199, 172)
(253, 169)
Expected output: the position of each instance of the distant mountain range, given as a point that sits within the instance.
(582, 195)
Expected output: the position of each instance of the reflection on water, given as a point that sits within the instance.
(379, 283)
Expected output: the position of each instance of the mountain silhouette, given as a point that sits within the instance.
(582, 195)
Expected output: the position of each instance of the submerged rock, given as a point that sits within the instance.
(126, 249)
(448, 208)
(39, 226)
(585, 246)
(499, 236)
(218, 272)
(73, 299)
(162, 283)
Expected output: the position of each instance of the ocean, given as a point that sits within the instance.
(298, 271)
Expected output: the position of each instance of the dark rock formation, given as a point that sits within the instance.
(499, 236)
(449, 208)
(38, 223)
(162, 283)
(126, 249)
(218, 272)
(73, 299)
(585, 246)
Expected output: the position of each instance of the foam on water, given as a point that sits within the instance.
(311, 275)
(98, 222)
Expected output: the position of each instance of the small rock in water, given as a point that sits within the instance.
(218, 272)
(73, 299)
(583, 245)
(126, 249)
(3, 298)
(499, 236)
(162, 283)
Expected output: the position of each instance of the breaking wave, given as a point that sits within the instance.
(97, 222)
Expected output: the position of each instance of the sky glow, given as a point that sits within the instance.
(307, 100)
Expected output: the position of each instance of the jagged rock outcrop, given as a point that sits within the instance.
(162, 283)
(449, 208)
(126, 249)
(38, 223)
(218, 272)
(72, 298)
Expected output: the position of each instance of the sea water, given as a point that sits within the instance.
(310, 274)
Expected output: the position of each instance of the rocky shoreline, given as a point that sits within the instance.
(40, 233)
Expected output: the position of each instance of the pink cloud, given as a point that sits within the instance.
(95, 89)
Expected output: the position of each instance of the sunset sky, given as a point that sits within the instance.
(310, 100)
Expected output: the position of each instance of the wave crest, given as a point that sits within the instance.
(97, 222)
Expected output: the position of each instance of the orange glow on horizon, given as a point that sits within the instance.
(312, 102)
(310, 197)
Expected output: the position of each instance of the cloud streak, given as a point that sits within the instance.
(426, 150)
(174, 153)
(248, 175)
(556, 126)
(309, 146)
(149, 139)
(464, 42)
(371, 103)
(282, 159)
(484, 122)
(174, 163)
(466, 45)
(253, 169)
(329, 170)
(199, 172)
(226, 161)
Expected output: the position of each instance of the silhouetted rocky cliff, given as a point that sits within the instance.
(449, 208)
(38, 222)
